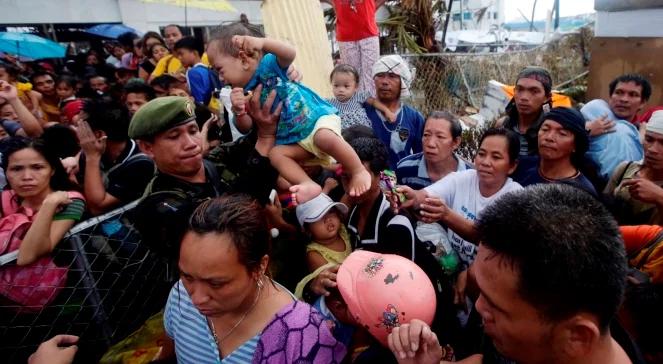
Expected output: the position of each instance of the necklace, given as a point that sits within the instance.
(574, 175)
(216, 338)
(398, 125)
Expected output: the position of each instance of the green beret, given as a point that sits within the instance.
(160, 115)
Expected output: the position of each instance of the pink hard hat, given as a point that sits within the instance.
(383, 291)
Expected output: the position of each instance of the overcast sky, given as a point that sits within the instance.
(567, 8)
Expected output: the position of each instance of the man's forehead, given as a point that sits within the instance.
(388, 73)
(172, 29)
(181, 127)
(653, 135)
(495, 275)
(529, 83)
(629, 85)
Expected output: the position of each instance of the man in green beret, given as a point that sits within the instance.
(166, 130)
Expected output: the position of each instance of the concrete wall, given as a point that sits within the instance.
(631, 23)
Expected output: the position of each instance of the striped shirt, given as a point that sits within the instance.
(411, 171)
(73, 211)
(189, 330)
(352, 111)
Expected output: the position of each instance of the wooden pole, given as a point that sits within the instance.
(446, 25)
(531, 23)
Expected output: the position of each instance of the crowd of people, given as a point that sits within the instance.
(341, 230)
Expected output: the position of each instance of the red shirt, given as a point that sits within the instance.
(356, 22)
(647, 115)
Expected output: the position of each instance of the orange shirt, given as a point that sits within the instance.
(637, 240)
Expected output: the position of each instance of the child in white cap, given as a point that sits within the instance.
(322, 219)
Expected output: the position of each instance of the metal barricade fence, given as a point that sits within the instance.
(114, 284)
(453, 81)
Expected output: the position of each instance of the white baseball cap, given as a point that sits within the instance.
(655, 123)
(313, 210)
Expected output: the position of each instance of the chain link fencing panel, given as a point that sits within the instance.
(454, 81)
(457, 82)
(114, 284)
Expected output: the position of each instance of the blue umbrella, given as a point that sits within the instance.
(110, 30)
(30, 46)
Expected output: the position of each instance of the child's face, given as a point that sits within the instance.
(344, 85)
(4, 76)
(233, 70)
(340, 310)
(159, 52)
(177, 92)
(118, 52)
(64, 90)
(7, 112)
(326, 228)
(187, 57)
(92, 59)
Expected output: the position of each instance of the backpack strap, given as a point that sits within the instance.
(148, 188)
(623, 173)
(7, 206)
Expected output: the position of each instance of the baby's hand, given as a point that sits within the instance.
(248, 44)
(238, 100)
(391, 116)
(330, 184)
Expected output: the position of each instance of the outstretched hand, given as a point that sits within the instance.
(414, 342)
(92, 145)
(326, 279)
(60, 349)
(8, 91)
(262, 115)
(411, 197)
(433, 209)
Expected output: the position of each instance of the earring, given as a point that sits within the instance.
(260, 283)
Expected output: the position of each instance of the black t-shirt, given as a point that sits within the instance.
(162, 215)
(243, 169)
(147, 66)
(127, 178)
(527, 173)
(213, 187)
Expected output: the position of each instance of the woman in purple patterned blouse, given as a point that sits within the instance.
(225, 309)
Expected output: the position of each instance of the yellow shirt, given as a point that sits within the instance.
(333, 256)
(170, 64)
